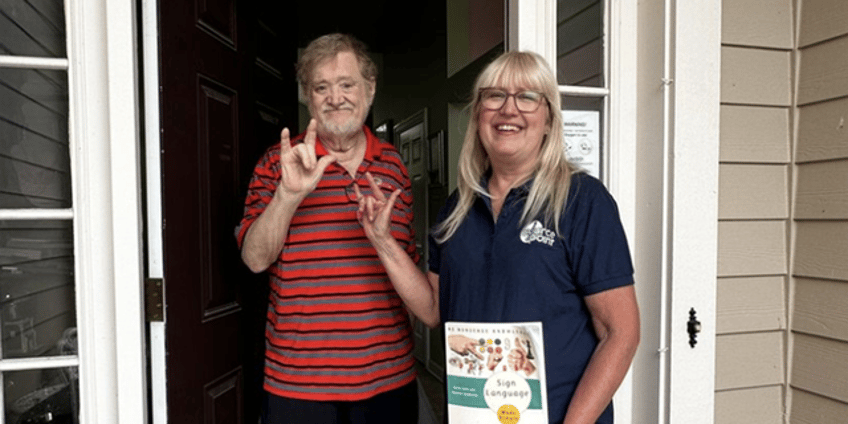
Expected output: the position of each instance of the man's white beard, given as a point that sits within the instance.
(343, 129)
(351, 126)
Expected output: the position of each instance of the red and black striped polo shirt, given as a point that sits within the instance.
(336, 329)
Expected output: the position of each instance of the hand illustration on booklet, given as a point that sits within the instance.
(495, 373)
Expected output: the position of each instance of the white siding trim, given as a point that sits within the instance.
(693, 204)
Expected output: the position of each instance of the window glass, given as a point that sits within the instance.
(32, 28)
(580, 43)
(41, 396)
(37, 310)
(37, 282)
(34, 154)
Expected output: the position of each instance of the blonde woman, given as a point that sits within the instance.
(526, 237)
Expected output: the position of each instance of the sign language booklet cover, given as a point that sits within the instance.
(495, 373)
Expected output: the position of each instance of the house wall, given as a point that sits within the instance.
(818, 378)
(754, 210)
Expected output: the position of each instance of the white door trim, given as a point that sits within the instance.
(621, 165)
(153, 186)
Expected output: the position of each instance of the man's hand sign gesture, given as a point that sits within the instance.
(300, 170)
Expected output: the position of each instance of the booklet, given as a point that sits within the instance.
(495, 373)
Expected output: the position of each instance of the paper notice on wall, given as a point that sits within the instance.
(582, 139)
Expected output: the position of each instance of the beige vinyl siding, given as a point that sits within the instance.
(808, 408)
(752, 134)
(822, 131)
(760, 404)
(755, 177)
(751, 304)
(818, 377)
(822, 191)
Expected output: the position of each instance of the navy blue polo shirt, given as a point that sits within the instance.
(501, 272)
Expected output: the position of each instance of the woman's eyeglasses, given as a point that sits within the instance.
(526, 101)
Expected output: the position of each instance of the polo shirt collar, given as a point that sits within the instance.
(514, 194)
(523, 189)
(373, 148)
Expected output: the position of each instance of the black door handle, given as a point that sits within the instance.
(693, 327)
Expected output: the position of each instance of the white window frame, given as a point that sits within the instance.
(104, 154)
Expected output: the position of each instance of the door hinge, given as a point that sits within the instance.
(153, 303)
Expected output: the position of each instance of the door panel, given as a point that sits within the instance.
(220, 107)
(410, 134)
(217, 178)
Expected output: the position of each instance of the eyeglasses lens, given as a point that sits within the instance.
(525, 101)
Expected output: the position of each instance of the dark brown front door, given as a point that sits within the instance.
(224, 69)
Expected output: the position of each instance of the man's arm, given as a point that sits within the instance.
(266, 237)
(300, 172)
(615, 316)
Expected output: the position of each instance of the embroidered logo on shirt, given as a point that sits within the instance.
(535, 231)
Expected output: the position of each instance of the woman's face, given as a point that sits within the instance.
(511, 135)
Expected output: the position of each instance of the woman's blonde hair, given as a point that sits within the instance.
(552, 172)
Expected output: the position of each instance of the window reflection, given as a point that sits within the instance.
(37, 311)
(41, 396)
(34, 154)
(32, 28)
(580, 43)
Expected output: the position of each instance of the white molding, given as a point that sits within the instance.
(89, 144)
(127, 240)
(106, 191)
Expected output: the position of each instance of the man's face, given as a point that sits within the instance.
(339, 97)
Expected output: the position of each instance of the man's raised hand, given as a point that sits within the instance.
(300, 170)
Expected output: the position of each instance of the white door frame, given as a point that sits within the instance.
(104, 134)
(676, 258)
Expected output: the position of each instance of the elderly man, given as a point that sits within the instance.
(338, 339)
